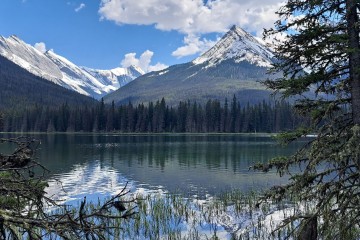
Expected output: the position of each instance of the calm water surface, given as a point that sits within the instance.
(87, 164)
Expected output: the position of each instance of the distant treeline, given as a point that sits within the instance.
(156, 117)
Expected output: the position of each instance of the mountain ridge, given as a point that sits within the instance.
(239, 45)
(21, 89)
(61, 71)
(236, 65)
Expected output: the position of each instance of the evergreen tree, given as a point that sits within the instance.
(162, 109)
(233, 114)
(322, 36)
(131, 116)
(142, 124)
(194, 120)
(1, 122)
(225, 117)
(50, 127)
(101, 116)
(87, 120)
(110, 118)
(64, 117)
(186, 117)
(208, 116)
(182, 116)
(150, 117)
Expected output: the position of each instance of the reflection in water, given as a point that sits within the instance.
(88, 180)
(191, 164)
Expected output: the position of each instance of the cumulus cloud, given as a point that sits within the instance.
(157, 67)
(192, 45)
(81, 6)
(193, 17)
(40, 46)
(144, 61)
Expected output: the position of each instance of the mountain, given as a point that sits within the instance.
(29, 58)
(236, 64)
(117, 77)
(20, 89)
(238, 46)
(59, 70)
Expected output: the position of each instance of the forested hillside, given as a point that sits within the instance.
(186, 81)
(232, 116)
(20, 89)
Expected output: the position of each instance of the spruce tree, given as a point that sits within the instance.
(1, 122)
(320, 56)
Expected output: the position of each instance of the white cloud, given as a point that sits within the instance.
(130, 59)
(81, 6)
(193, 17)
(193, 45)
(40, 46)
(157, 67)
(144, 62)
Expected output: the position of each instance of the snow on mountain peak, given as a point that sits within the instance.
(51, 66)
(138, 69)
(117, 77)
(29, 58)
(238, 45)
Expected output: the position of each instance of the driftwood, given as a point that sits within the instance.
(19, 159)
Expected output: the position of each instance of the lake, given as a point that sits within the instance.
(199, 165)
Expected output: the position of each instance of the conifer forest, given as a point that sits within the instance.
(212, 117)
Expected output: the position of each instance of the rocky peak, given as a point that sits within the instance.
(238, 45)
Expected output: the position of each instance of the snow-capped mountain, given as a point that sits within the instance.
(20, 89)
(29, 58)
(117, 77)
(75, 78)
(239, 46)
(236, 64)
(53, 67)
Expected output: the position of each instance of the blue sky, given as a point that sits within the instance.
(105, 34)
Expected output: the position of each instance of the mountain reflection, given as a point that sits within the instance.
(89, 180)
(191, 164)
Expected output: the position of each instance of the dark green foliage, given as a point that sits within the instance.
(1, 121)
(157, 117)
(324, 40)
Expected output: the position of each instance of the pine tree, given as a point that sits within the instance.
(225, 117)
(101, 116)
(233, 114)
(131, 116)
(322, 37)
(182, 116)
(150, 117)
(1, 122)
(110, 118)
(162, 119)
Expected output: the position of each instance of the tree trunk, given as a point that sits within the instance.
(354, 57)
(308, 229)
